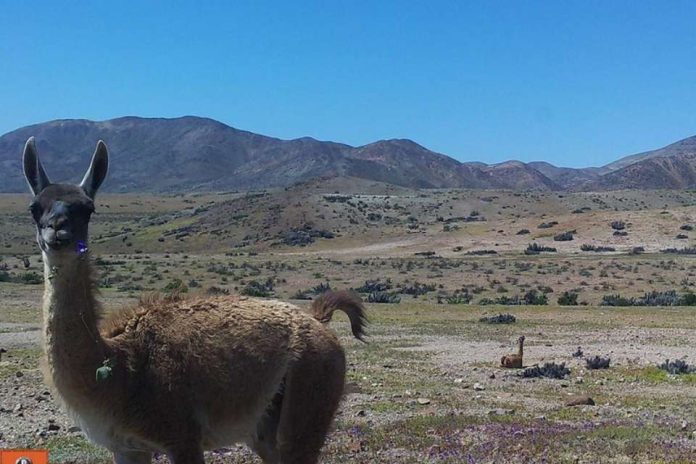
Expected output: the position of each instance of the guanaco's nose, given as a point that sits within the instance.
(63, 235)
(58, 225)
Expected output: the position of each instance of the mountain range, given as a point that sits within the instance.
(200, 154)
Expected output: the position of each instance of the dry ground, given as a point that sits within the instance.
(411, 395)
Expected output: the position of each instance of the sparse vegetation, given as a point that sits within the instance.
(549, 370)
(618, 225)
(598, 362)
(30, 278)
(680, 251)
(568, 299)
(654, 298)
(532, 297)
(305, 236)
(374, 286)
(457, 298)
(564, 236)
(499, 319)
(597, 249)
(435, 345)
(258, 289)
(677, 367)
(383, 297)
(535, 249)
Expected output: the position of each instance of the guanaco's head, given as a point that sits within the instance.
(520, 340)
(61, 212)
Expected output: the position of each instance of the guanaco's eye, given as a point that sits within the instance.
(82, 208)
(35, 209)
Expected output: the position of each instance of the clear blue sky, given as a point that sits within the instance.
(576, 83)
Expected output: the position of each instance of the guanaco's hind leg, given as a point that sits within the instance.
(313, 389)
(264, 441)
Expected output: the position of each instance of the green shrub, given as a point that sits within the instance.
(598, 249)
(598, 362)
(564, 236)
(549, 370)
(30, 278)
(457, 298)
(568, 299)
(499, 319)
(383, 297)
(176, 285)
(677, 367)
(258, 289)
(535, 249)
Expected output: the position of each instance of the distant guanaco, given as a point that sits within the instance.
(514, 360)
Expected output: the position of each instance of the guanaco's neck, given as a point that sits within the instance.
(74, 348)
(519, 347)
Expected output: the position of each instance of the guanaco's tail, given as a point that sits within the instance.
(324, 306)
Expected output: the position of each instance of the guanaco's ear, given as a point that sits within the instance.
(97, 170)
(33, 170)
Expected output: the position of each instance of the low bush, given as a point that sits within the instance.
(258, 289)
(617, 300)
(458, 298)
(213, 290)
(30, 278)
(305, 236)
(680, 251)
(532, 297)
(383, 297)
(321, 288)
(677, 367)
(549, 370)
(377, 285)
(481, 252)
(417, 289)
(637, 250)
(618, 225)
(654, 298)
(499, 319)
(598, 362)
(597, 249)
(568, 299)
(535, 249)
(564, 236)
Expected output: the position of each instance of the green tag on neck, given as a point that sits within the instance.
(104, 372)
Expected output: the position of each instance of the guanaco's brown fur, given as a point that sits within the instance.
(181, 375)
(514, 360)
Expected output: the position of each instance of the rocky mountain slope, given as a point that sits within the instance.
(199, 154)
(191, 153)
